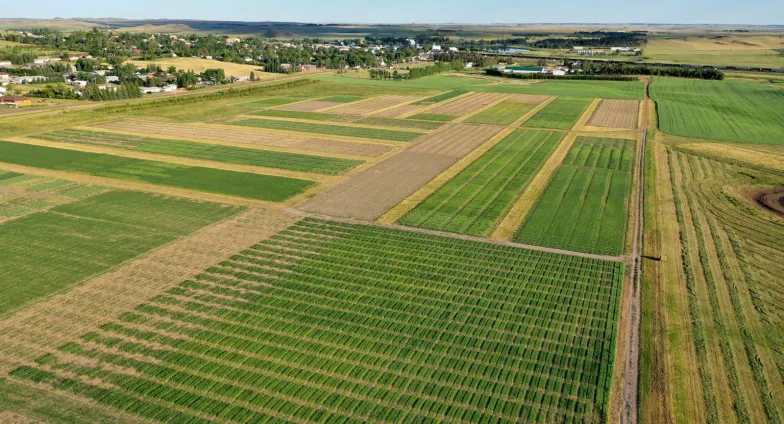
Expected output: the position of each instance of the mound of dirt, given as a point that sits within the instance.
(771, 199)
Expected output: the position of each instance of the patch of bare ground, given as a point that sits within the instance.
(616, 113)
(371, 105)
(254, 137)
(12, 418)
(310, 106)
(770, 199)
(48, 324)
(467, 104)
(371, 193)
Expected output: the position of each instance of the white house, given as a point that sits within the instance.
(453, 49)
(4, 77)
(150, 90)
(436, 48)
(168, 88)
(113, 78)
(3, 90)
(79, 83)
(28, 79)
(6, 64)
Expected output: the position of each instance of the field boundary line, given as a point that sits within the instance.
(336, 123)
(216, 142)
(413, 200)
(180, 160)
(394, 106)
(586, 116)
(468, 115)
(328, 108)
(520, 209)
(519, 121)
(425, 108)
(146, 187)
(229, 126)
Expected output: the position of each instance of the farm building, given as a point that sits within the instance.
(4, 77)
(150, 90)
(15, 101)
(523, 69)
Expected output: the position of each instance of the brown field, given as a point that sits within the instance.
(397, 111)
(310, 106)
(467, 104)
(254, 137)
(371, 193)
(372, 105)
(615, 113)
(526, 98)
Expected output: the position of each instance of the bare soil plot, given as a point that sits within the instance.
(371, 193)
(526, 98)
(616, 113)
(309, 106)
(466, 104)
(254, 137)
(369, 106)
(397, 111)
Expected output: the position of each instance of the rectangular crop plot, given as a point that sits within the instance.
(614, 113)
(247, 136)
(45, 252)
(195, 150)
(503, 113)
(585, 206)
(474, 201)
(22, 194)
(332, 322)
(274, 101)
(746, 112)
(467, 104)
(434, 117)
(339, 130)
(440, 98)
(562, 113)
(296, 114)
(372, 105)
(309, 106)
(241, 184)
(402, 123)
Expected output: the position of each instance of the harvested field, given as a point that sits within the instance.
(526, 98)
(310, 106)
(466, 104)
(434, 117)
(616, 113)
(397, 111)
(377, 189)
(371, 105)
(253, 137)
(329, 129)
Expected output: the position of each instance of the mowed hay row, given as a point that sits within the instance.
(466, 104)
(616, 113)
(526, 98)
(310, 326)
(397, 111)
(310, 106)
(253, 137)
(371, 105)
(371, 193)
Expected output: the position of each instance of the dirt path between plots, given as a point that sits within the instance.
(51, 322)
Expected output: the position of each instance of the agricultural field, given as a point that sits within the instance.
(720, 110)
(561, 113)
(372, 105)
(474, 201)
(241, 184)
(401, 123)
(22, 194)
(48, 251)
(274, 101)
(585, 206)
(437, 117)
(733, 50)
(613, 113)
(504, 113)
(297, 114)
(336, 130)
(200, 65)
(466, 104)
(326, 322)
(214, 152)
(440, 97)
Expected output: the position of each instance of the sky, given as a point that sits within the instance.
(755, 12)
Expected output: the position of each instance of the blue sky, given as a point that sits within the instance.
(761, 12)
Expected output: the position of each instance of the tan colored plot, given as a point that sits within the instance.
(398, 111)
(371, 193)
(467, 104)
(250, 136)
(310, 106)
(372, 105)
(616, 113)
(527, 98)
(736, 153)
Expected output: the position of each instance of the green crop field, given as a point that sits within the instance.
(440, 98)
(720, 110)
(585, 206)
(589, 89)
(274, 101)
(478, 197)
(332, 322)
(214, 152)
(342, 99)
(503, 113)
(22, 194)
(296, 114)
(48, 251)
(402, 123)
(561, 113)
(342, 130)
(433, 117)
(242, 184)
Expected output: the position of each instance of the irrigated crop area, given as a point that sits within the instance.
(584, 208)
(330, 322)
(474, 201)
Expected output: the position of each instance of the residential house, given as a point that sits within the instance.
(241, 79)
(436, 48)
(3, 90)
(113, 79)
(14, 101)
(306, 67)
(79, 83)
(150, 90)
(168, 88)
(4, 78)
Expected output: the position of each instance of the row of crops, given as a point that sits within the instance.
(504, 113)
(214, 152)
(561, 113)
(240, 184)
(330, 129)
(47, 251)
(474, 201)
(334, 322)
(585, 206)
(26, 194)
